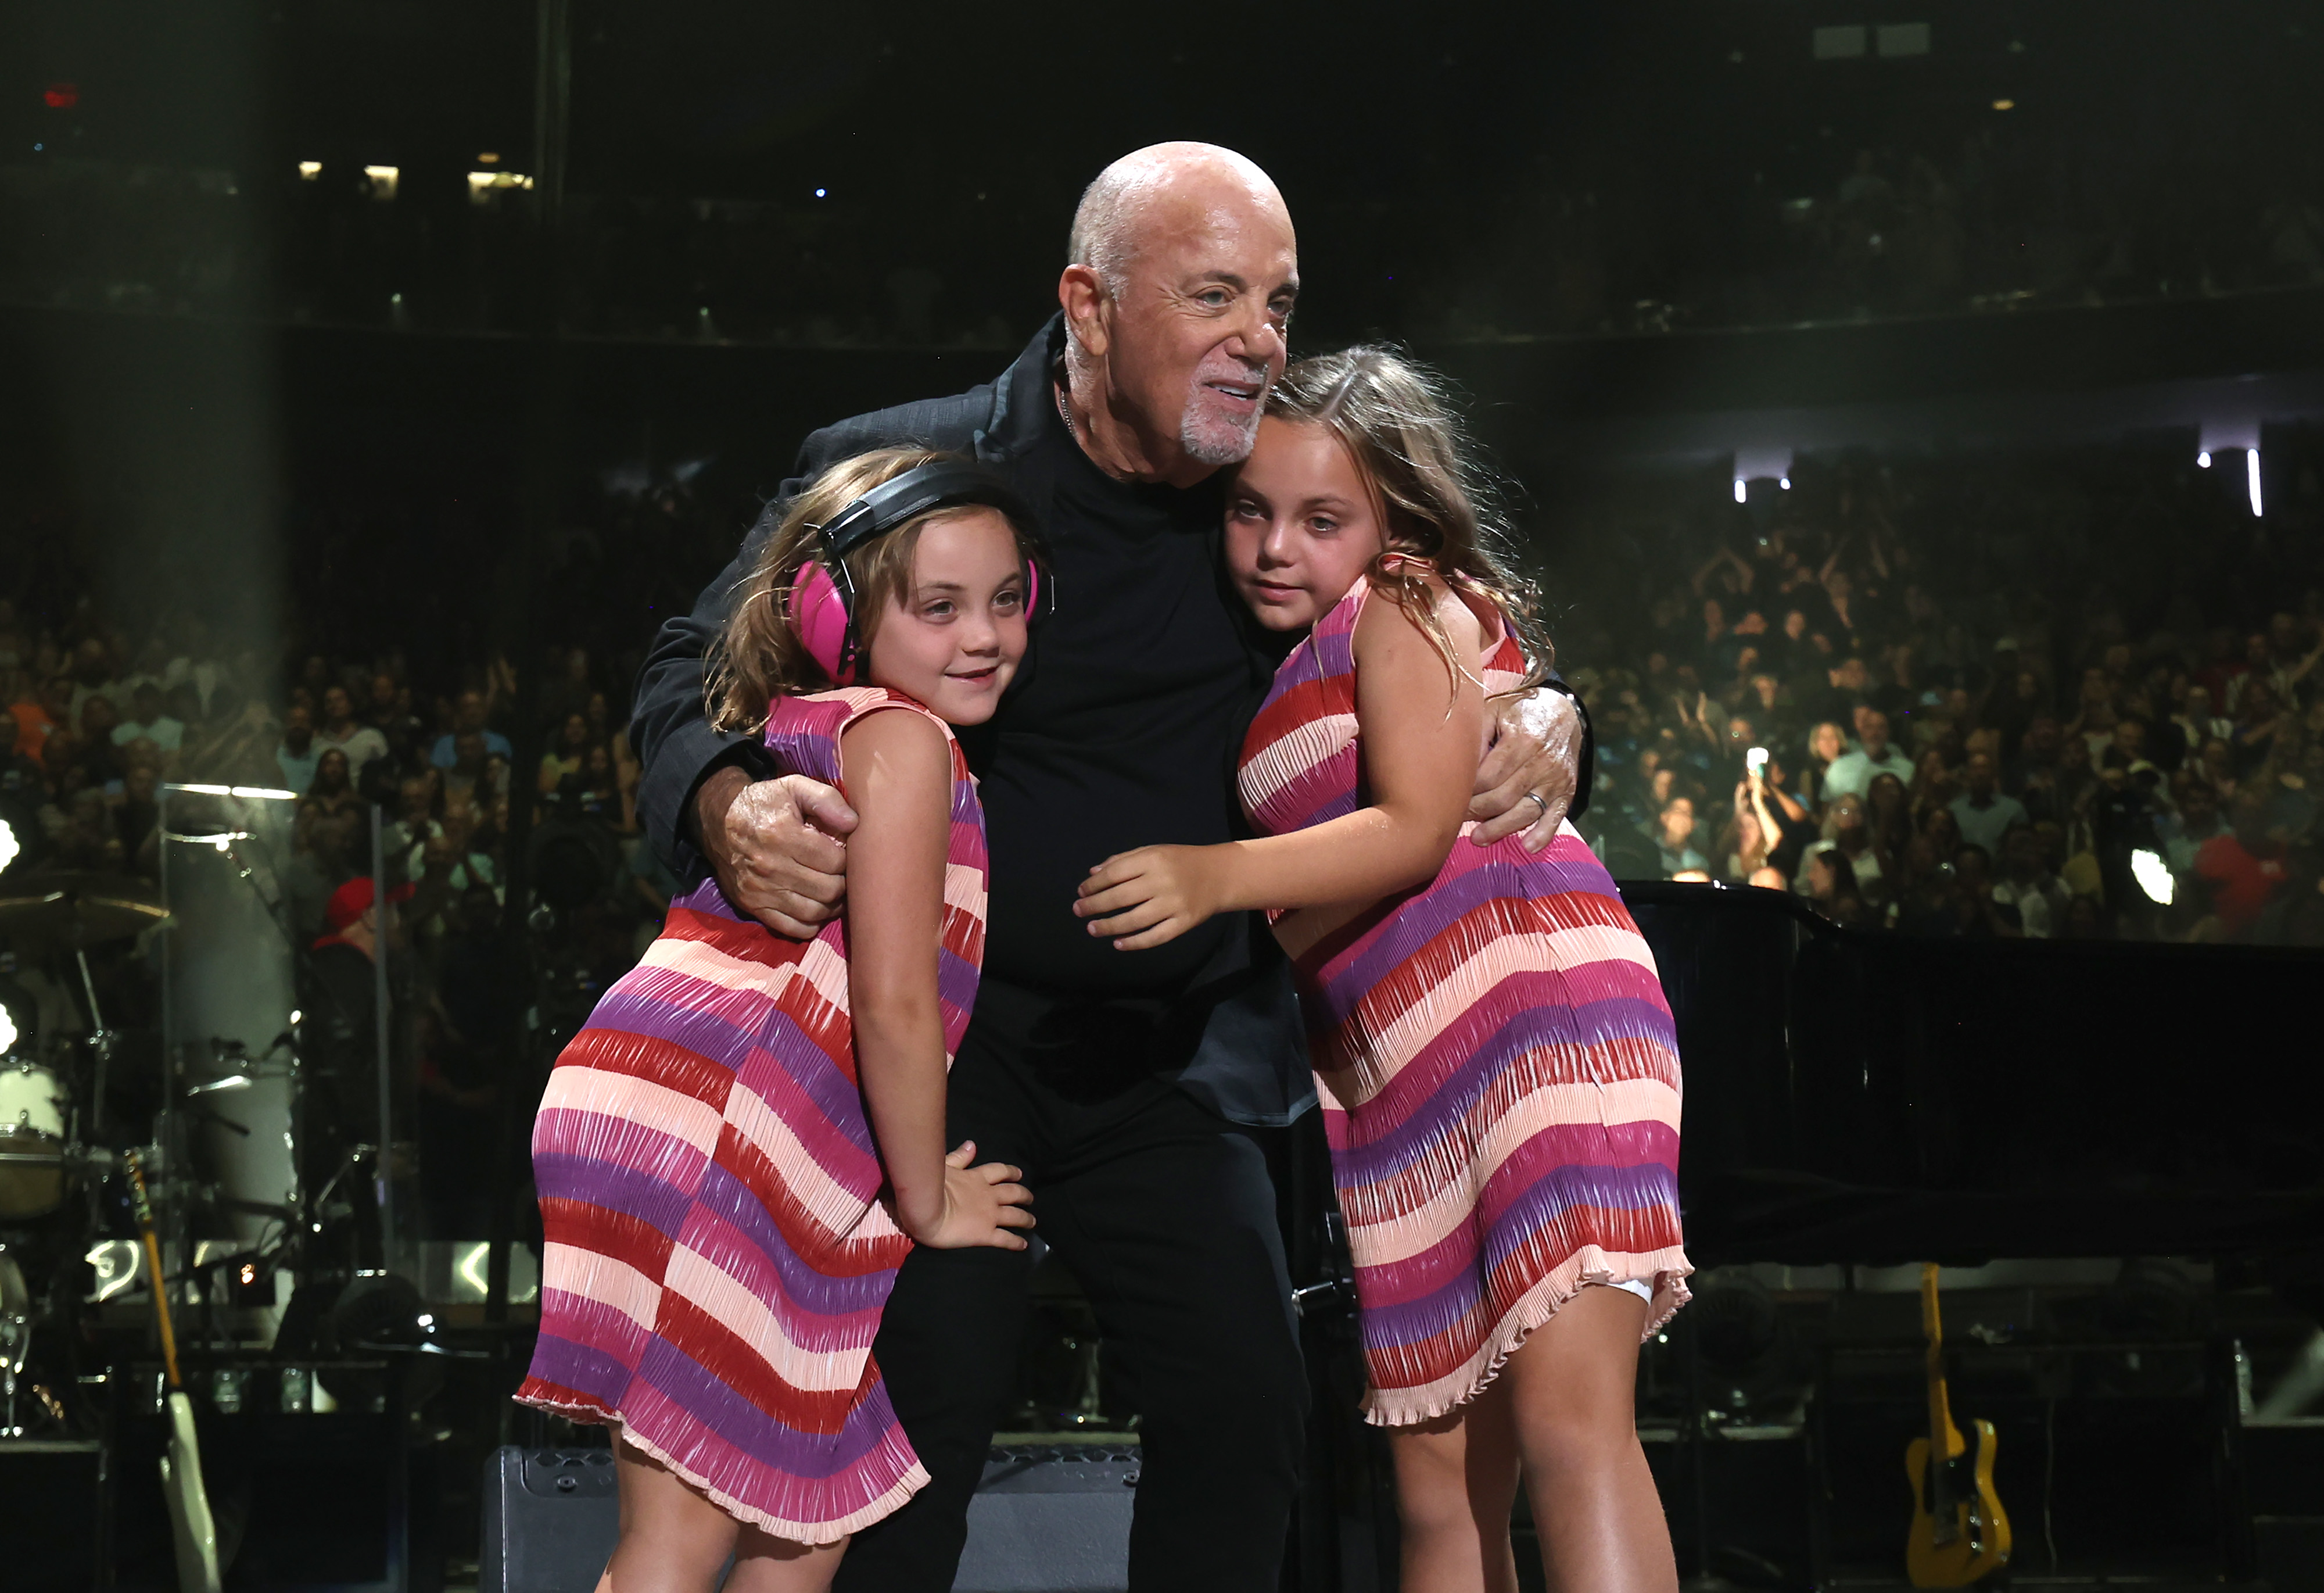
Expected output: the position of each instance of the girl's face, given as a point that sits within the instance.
(1301, 525)
(952, 639)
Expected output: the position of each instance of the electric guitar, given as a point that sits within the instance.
(1959, 1534)
(195, 1534)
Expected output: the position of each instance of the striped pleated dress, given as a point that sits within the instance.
(1499, 1070)
(717, 1253)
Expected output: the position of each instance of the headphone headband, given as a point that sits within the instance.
(916, 491)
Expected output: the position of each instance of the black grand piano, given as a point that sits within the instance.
(1863, 1098)
(1858, 1100)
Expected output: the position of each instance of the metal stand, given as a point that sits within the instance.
(383, 1169)
(101, 1050)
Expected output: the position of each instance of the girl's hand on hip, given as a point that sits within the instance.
(981, 1205)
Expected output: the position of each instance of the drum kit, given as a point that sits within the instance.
(222, 1155)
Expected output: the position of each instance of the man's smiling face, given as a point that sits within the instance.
(1198, 327)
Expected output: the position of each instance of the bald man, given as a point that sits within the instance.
(1135, 1090)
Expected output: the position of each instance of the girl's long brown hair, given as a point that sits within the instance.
(1396, 421)
(758, 657)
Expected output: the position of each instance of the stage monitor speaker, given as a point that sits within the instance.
(1044, 1520)
(550, 1520)
(52, 1502)
(1051, 1520)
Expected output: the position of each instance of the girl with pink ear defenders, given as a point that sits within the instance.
(821, 608)
(719, 1002)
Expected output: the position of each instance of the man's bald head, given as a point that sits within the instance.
(1176, 303)
(1129, 198)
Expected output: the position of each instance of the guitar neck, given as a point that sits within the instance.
(153, 1243)
(1945, 1439)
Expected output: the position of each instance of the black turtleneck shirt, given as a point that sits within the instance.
(1122, 727)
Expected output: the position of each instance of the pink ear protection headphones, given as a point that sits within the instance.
(821, 608)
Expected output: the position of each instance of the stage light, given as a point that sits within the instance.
(7, 1032)
(820, 193)
(2005, 105)
(1785, 482)
(484, 185)
(2154, 876)
(383, 181)
(488, 159)
(61, 96)
(9, 844)
(2204, 459)
(2251, 471)
(309, 169)
(263, 793)
(1740, 494)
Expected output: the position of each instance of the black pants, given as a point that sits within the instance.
(1167, 1215)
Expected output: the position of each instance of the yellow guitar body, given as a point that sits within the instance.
(1979, 1538)
(1960, 1534)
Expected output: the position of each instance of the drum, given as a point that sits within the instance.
(32, 1102)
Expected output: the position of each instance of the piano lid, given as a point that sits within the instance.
(1862, 1097)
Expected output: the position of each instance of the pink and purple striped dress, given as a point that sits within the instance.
(1499, 1070)
(717, 1253)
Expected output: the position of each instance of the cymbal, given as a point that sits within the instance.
(80, 907)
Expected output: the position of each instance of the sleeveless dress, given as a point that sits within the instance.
(717, 1253)
(1498, 1068)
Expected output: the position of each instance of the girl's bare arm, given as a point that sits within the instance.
(1422, 724)
(898, 771)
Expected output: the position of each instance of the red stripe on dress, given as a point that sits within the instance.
(726, 1355)
(630, 1240)
(656, 1061)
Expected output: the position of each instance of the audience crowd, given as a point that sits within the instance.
(2066, 697)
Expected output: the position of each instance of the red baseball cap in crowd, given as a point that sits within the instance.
(353, 899)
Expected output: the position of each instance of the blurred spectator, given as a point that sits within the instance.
(296, 754)
(1675, 839)
(1983, 813)
(340, 729)
(388, 711)
(1846, 831)
(92, 676)
(1827, 744)
(1852, 772)
(2027, 886)
(468, 719)
(420, 805)
(566, 757)
(149, 722)
(50, 710)
(1830, 884)
(1980, 913)
(331, 820)
(2242, 867)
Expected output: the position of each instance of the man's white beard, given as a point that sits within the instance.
(1215, 439)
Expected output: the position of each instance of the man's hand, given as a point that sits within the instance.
(1528, 773)
(1152, 895)
(775, 847)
